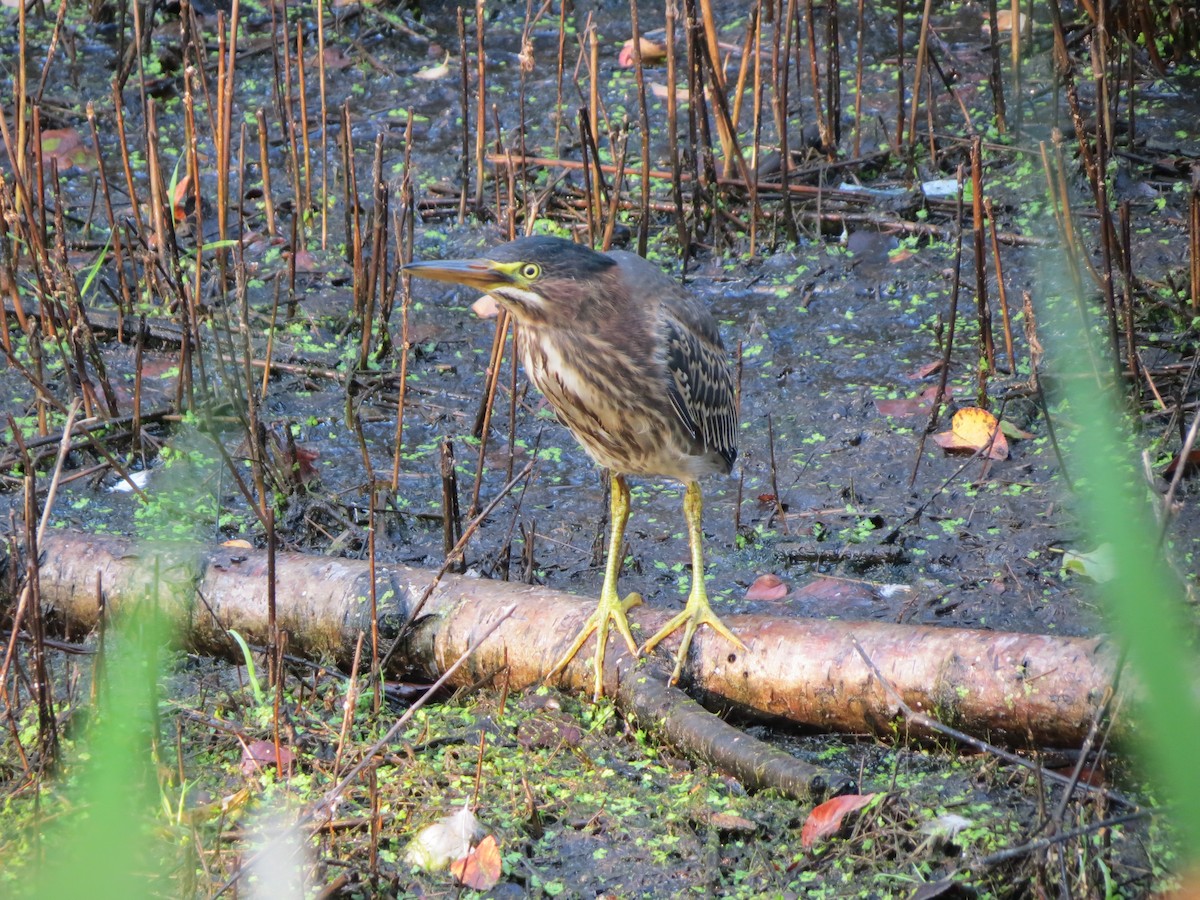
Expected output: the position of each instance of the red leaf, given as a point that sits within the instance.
(65, 146)
(926, 370)
(480, 869)
(306, 261)
(1190, 465)
(767, 587)
(911, 406)
(336, 58)
(303, 463)
(826, 819)
(830, 590)
(260, 754)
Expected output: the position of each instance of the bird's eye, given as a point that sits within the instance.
(530, 271)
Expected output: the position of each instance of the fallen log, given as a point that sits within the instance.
(1021, 689)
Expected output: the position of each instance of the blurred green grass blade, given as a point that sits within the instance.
(1144, 601)
(109, 845)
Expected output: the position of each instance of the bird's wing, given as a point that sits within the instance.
(699, 383)
(701, 388)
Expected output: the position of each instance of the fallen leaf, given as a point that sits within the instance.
(946, 826)
(729, 822)
(544, 733)
(652, 53)
(940, 188)
(1188, 888)
(1090, 775)
(830, 590)
(974, 429)
(135, 480)
(1004, 20)
(1191, 465)
(486, 307)
(302, 465)
(1097, 565)
(930, 890)
(159, 366)
(436, 846)
(220, 807)
(1012, 431)
(767, 587)
(826, 819)
(433, 73)
(481, 868)
(336, 58)
(258, 755)
(238, 543)
(180, 198)
(661, 92)
(65, 147)
(911, 406)
(928, 369)
(306, 261)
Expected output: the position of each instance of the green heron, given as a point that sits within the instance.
(634, 367)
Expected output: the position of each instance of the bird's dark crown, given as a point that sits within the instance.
(557, 257)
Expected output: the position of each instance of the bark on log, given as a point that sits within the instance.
(1019, 689)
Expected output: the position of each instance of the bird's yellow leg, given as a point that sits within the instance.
(611, 609)
(697, 612)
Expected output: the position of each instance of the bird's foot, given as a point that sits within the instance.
(611, 611)
(696, 613)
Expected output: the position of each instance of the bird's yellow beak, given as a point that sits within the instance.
(483, 274)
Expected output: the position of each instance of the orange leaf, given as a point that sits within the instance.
(826, 819)
(480, 869)
(767, 587)
(974, 429)
(179, 201)
(651, 53)
(486, 307)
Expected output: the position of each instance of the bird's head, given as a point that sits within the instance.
(541, 280)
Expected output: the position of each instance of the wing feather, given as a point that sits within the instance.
(701, 389)
(699, 383)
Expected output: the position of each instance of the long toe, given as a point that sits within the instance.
(694, 615)
(611, 612)
(576, 645)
